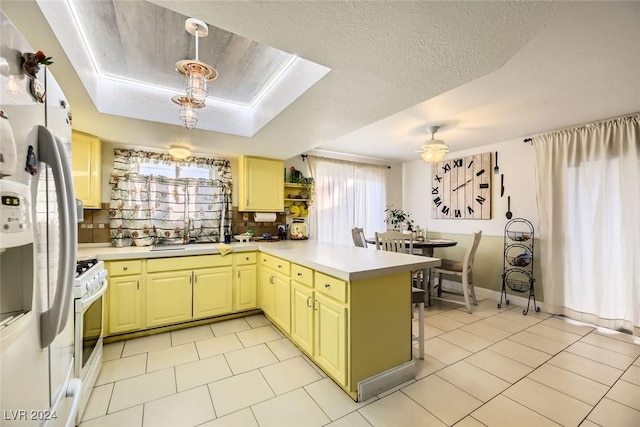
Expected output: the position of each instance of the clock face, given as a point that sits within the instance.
(461, 188)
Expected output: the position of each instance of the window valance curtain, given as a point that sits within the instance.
(588, 201)
(144, 208)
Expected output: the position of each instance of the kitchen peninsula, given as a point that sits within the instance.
(347, 308)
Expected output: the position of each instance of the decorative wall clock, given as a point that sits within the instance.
(461, 188)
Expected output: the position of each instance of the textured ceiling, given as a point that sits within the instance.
(486, 71)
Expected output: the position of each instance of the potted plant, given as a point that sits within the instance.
(399, 219)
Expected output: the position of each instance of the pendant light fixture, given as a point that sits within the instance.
(197, 75)
(436, 149)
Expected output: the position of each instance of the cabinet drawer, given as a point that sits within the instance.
(187, 263)
(123, 268)
(275, 263)
(332, 287)
(246, 258)
(302, 274)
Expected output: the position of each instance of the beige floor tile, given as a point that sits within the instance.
(602, 355)
(621, 336)
(429, 331)
(218, 345)
(444, 351)
(172, 356)
(625, 393)
(632, 375)
(568, 325)
(463, 316)
(520, 353)
(98, 402)
(112, 351)
(201, 372)
(586, 367)
(469, 421)
(289, 375)
(442, 322)
(250, 358)
(587, 423)
(504, 324)
(243, 418)
(189, 408)
(284, 349)
(119, 369)
(141, 389)
(396, 388)
(612, 344)
(239, 392)
(473, 380)
(195, 333)
(515, 315)
(438, 306)
(398, 409)
(538, 342)
(637, 362)
(332, 399)
(294, 409)
(557, 406)
(609, 413)
(466, 340)
(499, 365)
(567, 382)
(314, 366)
(257, 320)
(485, 331)
(146, 344)
(230, 326)
(555, 334)
(441, 398)
(504, 412)
(354, 419)
(258, 336)
(131, 417)
(427, 366)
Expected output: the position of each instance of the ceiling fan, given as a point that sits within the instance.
(435, 149)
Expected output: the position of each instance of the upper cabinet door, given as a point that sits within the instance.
(261, 185)
(86, 159)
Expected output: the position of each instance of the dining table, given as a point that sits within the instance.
(426, 245)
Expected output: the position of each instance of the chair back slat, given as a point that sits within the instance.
(469, 256)
(357, 234)
(394, 241)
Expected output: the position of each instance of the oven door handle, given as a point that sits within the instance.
(85, 302)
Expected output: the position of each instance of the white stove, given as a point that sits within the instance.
(89, 288)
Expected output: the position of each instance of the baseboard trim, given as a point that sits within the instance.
(386, 380)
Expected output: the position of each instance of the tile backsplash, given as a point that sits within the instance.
(95, 228)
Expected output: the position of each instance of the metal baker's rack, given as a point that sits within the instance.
(517, 265)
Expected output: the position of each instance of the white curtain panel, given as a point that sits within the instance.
(588, 189)
(348, 194)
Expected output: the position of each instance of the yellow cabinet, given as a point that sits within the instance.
(330, 337)
(261, 184)
(282, 315)
(124, 304)
(169, 298)
(276, 291)
(267, 292)
(245, 288)
(302, 314)
(212, 295)
(86, 160)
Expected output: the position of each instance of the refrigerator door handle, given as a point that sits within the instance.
(74, 389)
(51, 152)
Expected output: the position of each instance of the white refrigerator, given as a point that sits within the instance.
(38, 244)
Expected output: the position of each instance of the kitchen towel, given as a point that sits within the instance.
(224, 249)
(264, 217)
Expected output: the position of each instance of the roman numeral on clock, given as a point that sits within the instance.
(470, 209)
(446, 167)
(437, 201)
(434, 190)
(480, 199)
(457, 213)
(445, 210)
(457, 163)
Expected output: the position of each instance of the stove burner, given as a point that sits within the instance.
(84, 265)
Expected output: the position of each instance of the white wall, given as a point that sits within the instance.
(516, 162)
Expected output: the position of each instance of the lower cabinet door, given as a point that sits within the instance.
(212, 292)
(302, 316)
(245, 291)
(169, 297)
(268, 292)
(124, 304)
(282, 315)
(330, 337)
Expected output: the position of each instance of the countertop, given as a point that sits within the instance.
(342, 261)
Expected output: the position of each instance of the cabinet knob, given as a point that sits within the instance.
(299, 274)
(326, 285)
(125, 268)
(279, 266)
(246, 258)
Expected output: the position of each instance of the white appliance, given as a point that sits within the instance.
(38, 240)
(89, 288)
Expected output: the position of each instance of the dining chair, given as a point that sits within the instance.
(357, 234)
(458, 268)
(396, 241)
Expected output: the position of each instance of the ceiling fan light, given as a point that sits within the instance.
(179, 151)
(435, 150)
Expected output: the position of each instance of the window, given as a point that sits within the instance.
(169, 170)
